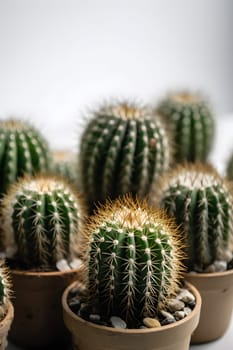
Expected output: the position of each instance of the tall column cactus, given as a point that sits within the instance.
(23, 150)
(192, 123)
(123, 149)
(202, 203)
(42, 220)
(134, 259)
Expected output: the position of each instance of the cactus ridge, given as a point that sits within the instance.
(202, 202)
(22, 150)
(123, 150)
(41, 220)
(135, 259)
(192, 124)
(5, 285)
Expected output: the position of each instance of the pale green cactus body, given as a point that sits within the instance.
(23, 150)
(123, 149)
(41, 220)
(134, 261)
(202, 204)
(192, 123)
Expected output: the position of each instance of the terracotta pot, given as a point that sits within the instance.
(5, 325)
(216, 291)
(38, 322)
(89, 336)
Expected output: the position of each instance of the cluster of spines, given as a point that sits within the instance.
(202, 203)
(23, 150)
(134, 261)
(42, 218)
(192, 123)
(123, 150)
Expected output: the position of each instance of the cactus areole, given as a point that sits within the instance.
(23, 150)
(134, 261)
(123, 149)
(41, 221)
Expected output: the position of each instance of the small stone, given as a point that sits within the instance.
(62, 265)
(220, 266)
(191, 304)
(187, 311)
(167, 314)
(143, 327)
(95, 318)
(151, 322)
(76, 263)
(230, 265)
(185, 296)
(74, 304)
(179, 315)
(84, 311)
(73, 292)
(117, 322)
(175, 305)
(168, 320)
(210, 269)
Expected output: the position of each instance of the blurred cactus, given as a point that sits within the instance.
(192, 124)
(64, 164)
(202, 203)
(134, 262)
(229, 170)
(42, 220)
(5, 289)
(22, 151)
(123, 149)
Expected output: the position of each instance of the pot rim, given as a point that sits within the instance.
(164, 328)
(45, 273)
(209, 275)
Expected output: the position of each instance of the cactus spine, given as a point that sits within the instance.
(202, 203)
(134, 261)
(22, 150)
(42, 218)
(123, 149)
(192, 124)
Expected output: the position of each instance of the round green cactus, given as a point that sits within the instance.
(23, 150)
(229, 170)
(192, 124)
(134, 259)
(123, 149)
(202, 203)
(42, 219)
(64, 165)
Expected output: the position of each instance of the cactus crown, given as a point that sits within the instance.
(41, 220)
(22, 151)
(202, 202)
(192, 123)
(5, 285)
(123, 149)
(134, 261)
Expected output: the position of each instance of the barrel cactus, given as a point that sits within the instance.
(42, 219)
(229, 170)
(134, 259)
(123, 149)
(23, 150)
(202, 203)
(64, 164)
(192, 124)
(5, 289)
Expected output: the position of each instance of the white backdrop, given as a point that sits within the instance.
(58, 57)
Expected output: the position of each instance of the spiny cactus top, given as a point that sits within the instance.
(202, 202)
(192, 123)
(42, 221)
(64, 164)
(134, 261)
(5, 286)
(22, 150)
(123, 149)
(229, 170)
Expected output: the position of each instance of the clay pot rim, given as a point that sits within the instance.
(196, 310)
(7, 318)
(209, 274)
(45, 273)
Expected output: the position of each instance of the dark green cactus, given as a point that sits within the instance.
(42, 218)
(23, 150)
(229, 170)
(134, 261)
(202, 203)
(192, 124)
(64, 164)
(123, 149)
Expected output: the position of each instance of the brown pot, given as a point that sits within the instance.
(216, 291)
(89, 336)
(5, 325)
(38, 322)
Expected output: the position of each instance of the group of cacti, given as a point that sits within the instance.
(132, 251)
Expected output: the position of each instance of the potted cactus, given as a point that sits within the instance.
(192, 124)
(6, 307)
(202, 203)
(42, 221)
(133, 277)
(123, 149)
